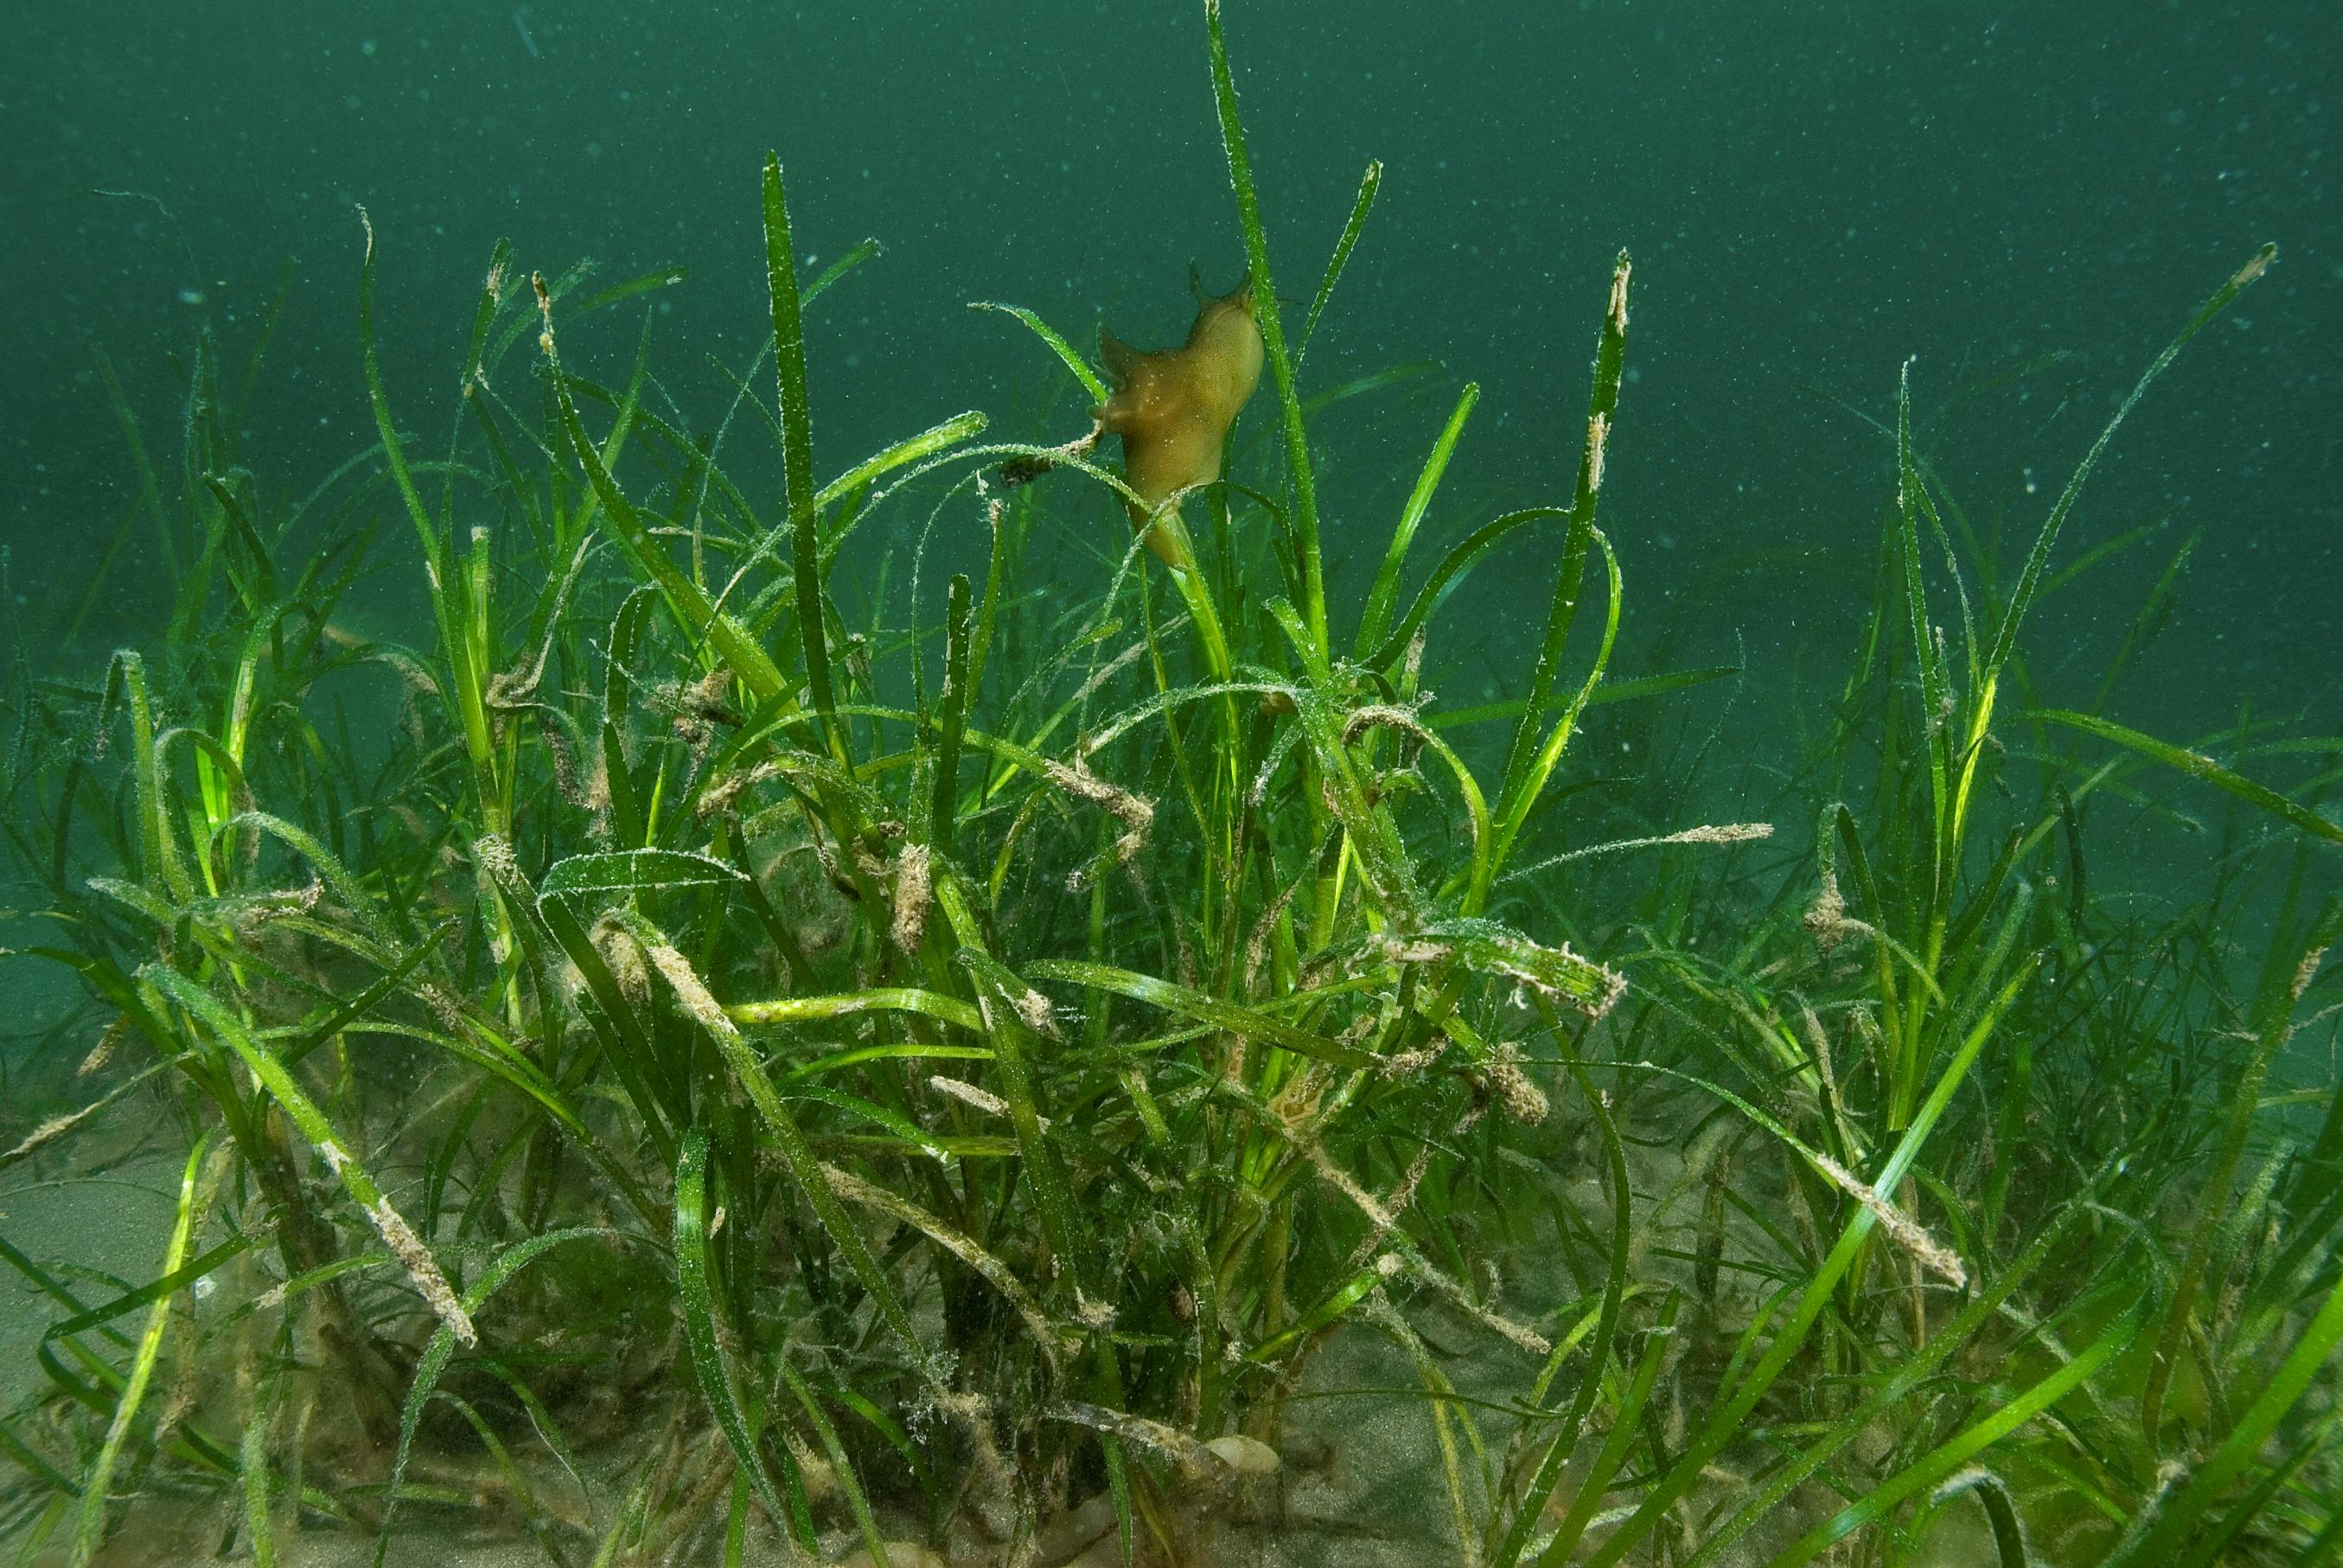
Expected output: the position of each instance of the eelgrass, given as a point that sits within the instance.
(867, 1085)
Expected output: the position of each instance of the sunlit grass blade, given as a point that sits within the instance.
(1369, 182)
(1375, 619)
(797, 452)
(1602, 407)
(1725, 1419)
(1072, 361)
(1298, 468)
(2021, 598)
(89, 1526)
(707, 1359)
(1940, 1462)
(441, 1350)
(2199, 766)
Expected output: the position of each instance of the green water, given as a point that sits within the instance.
(1813, 195)
(2015, 207)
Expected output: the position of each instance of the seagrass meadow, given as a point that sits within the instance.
(724, 1037)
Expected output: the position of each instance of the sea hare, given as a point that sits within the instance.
(1173, 409)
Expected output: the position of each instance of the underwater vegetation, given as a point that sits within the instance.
(707, 1060)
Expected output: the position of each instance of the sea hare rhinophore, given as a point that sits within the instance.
(1173, 409)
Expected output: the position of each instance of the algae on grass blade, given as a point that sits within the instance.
(997, 1066)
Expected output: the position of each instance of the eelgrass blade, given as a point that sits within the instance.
(2021, 598)
(1727, 1419)
(1072, 361)
(748, 662)
(920, 448)
(1549, 755)
(1911, 1374)
(1530, 1508)
(788, 1138)
(1188, 1002)
(698, 1302)
(160, 864)
(1445, 578)
(1626, 1426)
(1369, 182)
(797, 452)
(1488, 948)
(1053, 1341)
(89, 1527)
(1375, 621)
(448, 603)
(633, 873)
(619, 293)
(422, 1268)
(549, 1430)
(50, 1286)
(1272, 333)
(484, 318)
(441, 1350)
(1602, 408)
(2282, 987)
(1011, 1015)
(841, 1467)
(38, 1468)
(2000, 1507)
(1360, 385)
(954, 701)
(1940, 1462)
(170, 1284)
(911, 449)
(838, 269)
(252, 1463)
(878, 999)
(2196, 765)
(150, 493)
(1935, 698)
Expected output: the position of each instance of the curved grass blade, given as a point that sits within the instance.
(1205, 1009)
(1941, 1461)
(944, 805)
(1375, 621)
(2199, 766)
(749, 661)
(1072, 361)
(841, 1467)
(170, 1284)
(1531, 1507)
(89, 1526)
(1272, 333)
(2029, 580)
(1625, 1427)
(2241, 1449)
(422, 1268)
(631, 873)
(878, 999)
(441, 1350)
(708, 1362)
(797, 1153)
(664, 277)
(1343, 392)
(1053, 1341)
(1976, 1315)
(838, 269)
(1727, 1419)
(1444, 577)
(1603, 410)
(1369, 182)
